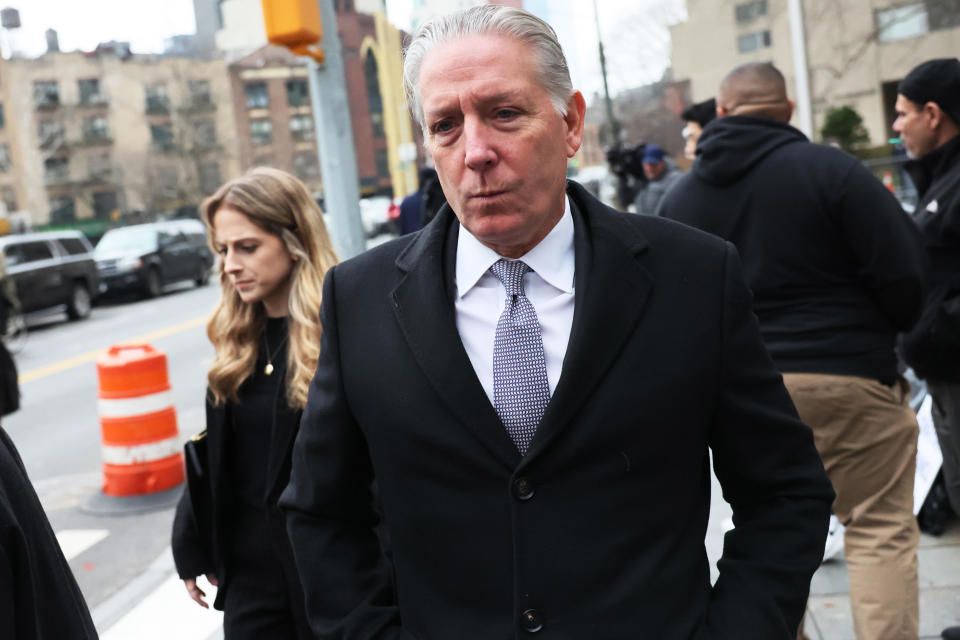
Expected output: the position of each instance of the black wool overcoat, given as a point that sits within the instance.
(598, 531)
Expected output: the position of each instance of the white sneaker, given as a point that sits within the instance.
(834, 544)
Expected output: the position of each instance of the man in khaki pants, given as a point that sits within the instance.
(837, 269)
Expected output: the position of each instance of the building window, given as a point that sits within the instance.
(383, 166)
(200, 97)
(46, 94)
(257, 96)
(372, 78)
(900, 23)
(104, 204)
(164, 182)
(98, 166)
(298, 93)
(943, 14)
(90, 91)
(301, 127)
(161, 135)
(1, 116)
(306, 166)
(157, 99)
(261, 131)
(62, 210)
(750, 11)
(9, 196)
(56, 170)
(753, 41)
(204, 133)
(4, 158)
(50, 133)
(264, 161)
(209, 176)
(95, 129)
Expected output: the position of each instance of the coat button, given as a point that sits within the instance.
(531, 620)
(522, 489)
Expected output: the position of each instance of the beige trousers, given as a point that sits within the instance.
(866, 434)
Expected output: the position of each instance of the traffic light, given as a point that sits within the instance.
(294, 24)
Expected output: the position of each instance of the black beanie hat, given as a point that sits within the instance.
(935, 81)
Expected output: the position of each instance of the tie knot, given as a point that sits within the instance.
(510, 273)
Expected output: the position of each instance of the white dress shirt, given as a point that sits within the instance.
(548, 285)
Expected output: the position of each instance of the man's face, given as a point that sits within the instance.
(500, 147)
(915, 127)
(691, 135)
(653, 169)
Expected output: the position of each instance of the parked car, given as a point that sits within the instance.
(145, 257)
(52, 269)
(378, 215)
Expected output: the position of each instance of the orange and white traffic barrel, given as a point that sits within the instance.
(888, 181)
(141, 444)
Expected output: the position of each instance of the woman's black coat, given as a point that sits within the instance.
(198, 547)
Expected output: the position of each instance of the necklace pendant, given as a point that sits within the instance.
(268, 369)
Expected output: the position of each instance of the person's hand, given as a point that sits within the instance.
(195, 592)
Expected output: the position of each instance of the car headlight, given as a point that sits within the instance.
(129, 264)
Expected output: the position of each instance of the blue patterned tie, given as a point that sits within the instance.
(521, 391)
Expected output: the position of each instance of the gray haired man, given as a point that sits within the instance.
(525, 392)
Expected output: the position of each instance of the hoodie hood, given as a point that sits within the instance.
(729, 147)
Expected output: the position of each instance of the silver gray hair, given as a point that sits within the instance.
(490, 20)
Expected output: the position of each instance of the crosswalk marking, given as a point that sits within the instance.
(168, 612)
(73, 542)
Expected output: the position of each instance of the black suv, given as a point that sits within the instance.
(52, 269)
(145, 257)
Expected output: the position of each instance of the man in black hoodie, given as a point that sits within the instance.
(928, 120)
(836, 269)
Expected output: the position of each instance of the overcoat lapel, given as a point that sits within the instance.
(423, 304)
(612, 288)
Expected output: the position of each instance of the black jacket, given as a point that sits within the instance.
(835, 265)
(932, 347)
(199, 541)
(597, 532)
(39, 597)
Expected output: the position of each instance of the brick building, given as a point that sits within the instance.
(90, 135)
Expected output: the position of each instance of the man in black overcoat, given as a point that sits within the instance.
(525, 394)
(39, 597)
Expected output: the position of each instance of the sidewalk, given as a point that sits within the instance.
(828, 610)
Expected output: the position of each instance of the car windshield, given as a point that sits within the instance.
(119, 240)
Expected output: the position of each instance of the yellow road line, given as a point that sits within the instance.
(90, 356)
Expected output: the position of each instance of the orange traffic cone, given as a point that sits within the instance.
(141, 445)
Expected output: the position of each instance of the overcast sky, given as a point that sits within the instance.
(634, 31)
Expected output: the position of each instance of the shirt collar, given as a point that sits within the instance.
(552, 259)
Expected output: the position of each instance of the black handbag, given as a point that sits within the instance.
(198, 484)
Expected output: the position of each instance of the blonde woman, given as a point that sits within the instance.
(274, 251)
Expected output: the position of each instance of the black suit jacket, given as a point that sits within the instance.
(598, 531)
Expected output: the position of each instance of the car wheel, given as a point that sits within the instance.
(203, 277)
(79, 304)
(152, 288)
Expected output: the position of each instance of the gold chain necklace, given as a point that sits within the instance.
(269, 368)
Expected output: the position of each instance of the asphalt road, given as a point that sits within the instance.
(57, 428)
(57, 432)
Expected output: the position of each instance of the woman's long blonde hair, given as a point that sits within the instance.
(280, 204)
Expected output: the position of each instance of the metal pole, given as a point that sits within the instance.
(612, 123)
(334, 132)
(798, 40)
